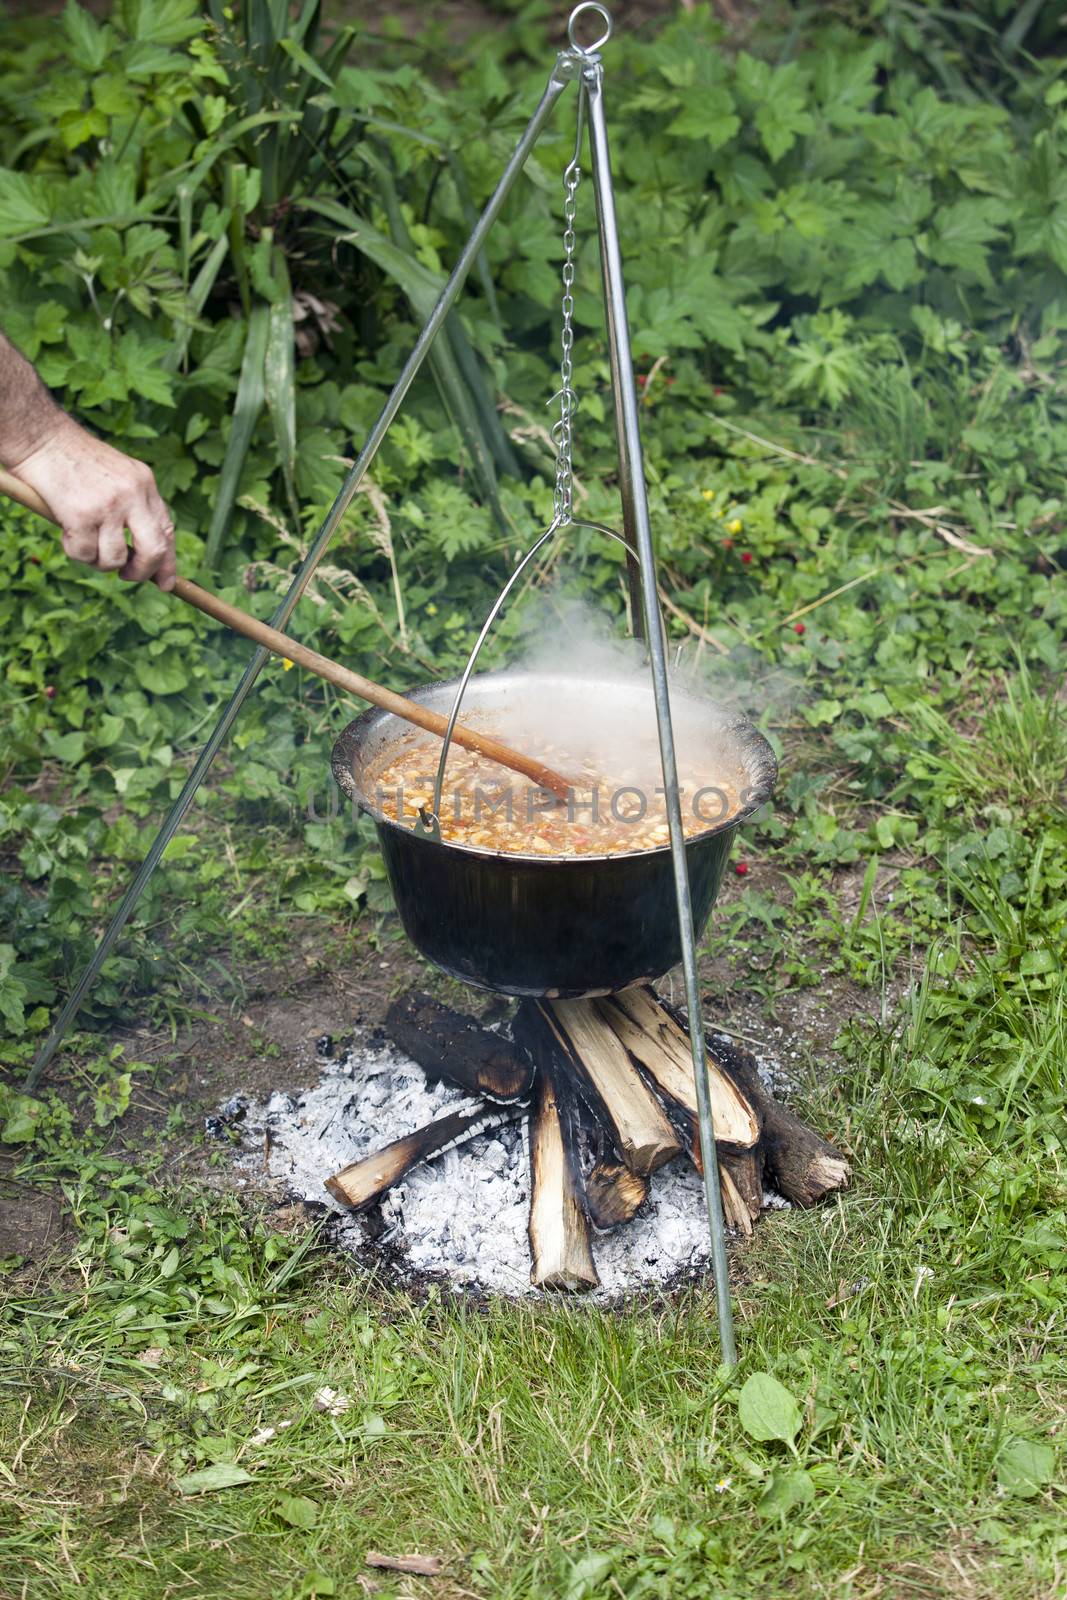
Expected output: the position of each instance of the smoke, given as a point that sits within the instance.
(579, 698)
(590, 696)
(560, 629)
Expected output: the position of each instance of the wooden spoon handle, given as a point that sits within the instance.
(15, 489)
(410, 710)
(280, 644)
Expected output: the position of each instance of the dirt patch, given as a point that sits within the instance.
(799, 1025)
(293, 1014)
(31, 1220)
(288, 1017)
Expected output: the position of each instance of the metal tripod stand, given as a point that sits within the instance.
(581, 64)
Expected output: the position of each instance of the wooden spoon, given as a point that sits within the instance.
(291, 650)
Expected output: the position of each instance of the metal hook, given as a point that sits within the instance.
(603, 13)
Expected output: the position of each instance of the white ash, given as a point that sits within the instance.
(464, 1213)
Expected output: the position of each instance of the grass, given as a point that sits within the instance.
(562, 1450)
(548, 1451)
(555, 1450)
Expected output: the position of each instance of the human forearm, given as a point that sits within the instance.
(29, 416)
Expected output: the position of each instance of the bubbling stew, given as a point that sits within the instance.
(492, 808)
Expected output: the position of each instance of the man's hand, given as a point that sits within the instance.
(95, 493)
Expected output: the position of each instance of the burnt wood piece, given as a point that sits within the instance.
(614, 1089)
(803, 1165)
(559, 1228)
(734, 1209)
(366, 1180)
(614, 1194)
(746, 1172)
(660, 1045)
(446, 1044)
(737, 1170)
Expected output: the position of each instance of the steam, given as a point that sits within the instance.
(577, 697)
(563, 633)
(591, 698)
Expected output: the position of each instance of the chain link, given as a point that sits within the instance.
(562, 433)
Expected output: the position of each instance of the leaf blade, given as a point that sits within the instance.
(767, 1410)
(220, 1475)
(248, 407)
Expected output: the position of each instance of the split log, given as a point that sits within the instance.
(746, 1171)
(365, 1181)
(804, 1166)
(616, 1092)
(741, 1188)
(559, 1227)
(734, 1209)
(446, 1044)
(614, 1194)
(660, 1045)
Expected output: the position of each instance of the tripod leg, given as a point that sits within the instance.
(635, 514)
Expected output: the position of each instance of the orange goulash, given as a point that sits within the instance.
(487, 806)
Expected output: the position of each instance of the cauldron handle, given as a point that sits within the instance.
(429, 819)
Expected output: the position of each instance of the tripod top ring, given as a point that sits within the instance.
(586, 7)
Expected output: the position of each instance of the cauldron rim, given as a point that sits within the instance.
(759, 759)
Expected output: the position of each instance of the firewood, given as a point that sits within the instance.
(640, 1128)
(446, 1044)
(804, 1166)
(559, 1228)
(737, 1172)
(660, 1045)
(614, 1194)
(734, 1209)
(366, 1180)
(746, 1172)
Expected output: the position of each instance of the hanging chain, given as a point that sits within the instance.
(562, 434)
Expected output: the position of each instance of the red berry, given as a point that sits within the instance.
(641, 380)
(36, 560)
(798, 627)
(718, 391)
(741, 867)
(746, 557)
(50, 691)
(728, 544)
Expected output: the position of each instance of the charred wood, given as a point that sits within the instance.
(659, 1043)
(366, 1180)
(559, 1228)
(736, 1169)
(614, 1194)
(446, 1044)
(803, 1165)
(734, 1209)
(746, 1174)
(579, 1044)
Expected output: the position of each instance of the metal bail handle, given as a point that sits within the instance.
(586, 8)
(428, 822)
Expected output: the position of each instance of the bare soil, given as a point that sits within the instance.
(31, 1220)
(292, 1013)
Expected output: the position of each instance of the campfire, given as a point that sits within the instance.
(608, 1088)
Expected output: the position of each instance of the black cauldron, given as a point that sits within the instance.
(557, 926)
